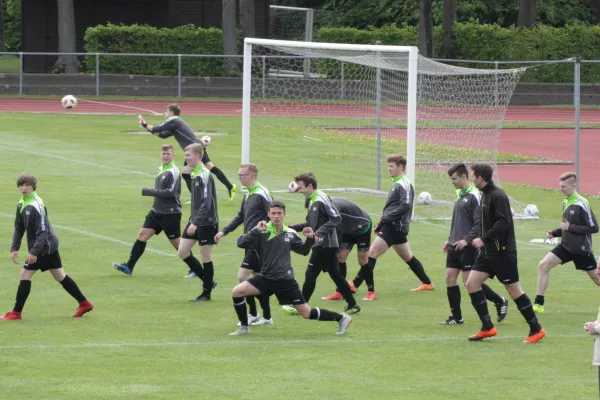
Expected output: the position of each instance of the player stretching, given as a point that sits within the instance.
(203, 224)
(183, 133)
(460, 253)
(356, 230)
(42, 244)
(255, 207)
(497, 257)
(392, 230)
(325, 220)
(166, 210)
(579, 223)
(274, 242)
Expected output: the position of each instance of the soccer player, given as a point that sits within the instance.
(42, 244)
(254, 208)
(497, 257)
(460, 253)
(325, 220)
(579, 223)
(392, 230)
(166, 210)
(203, 224)
(274, 242)
(183, 133)
(356, 230)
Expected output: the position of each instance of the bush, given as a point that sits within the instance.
(149, 40)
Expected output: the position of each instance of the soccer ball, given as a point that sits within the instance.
(532, 210)
(206, 140)
(424, 198)
(293, 186)
(69, 101)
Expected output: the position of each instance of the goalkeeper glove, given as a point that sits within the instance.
(143, 122)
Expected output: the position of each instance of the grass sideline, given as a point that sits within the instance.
(145, 341)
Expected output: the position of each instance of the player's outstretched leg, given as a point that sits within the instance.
(231, 188)
(321, 314)
(71, 287)
(500, 302)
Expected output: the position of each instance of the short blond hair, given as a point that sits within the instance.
(196, 148)
(167, 147)
(252, 168)
(567, 176)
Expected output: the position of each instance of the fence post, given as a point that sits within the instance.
(264, 77)
(20, 73)
(577, 104)
(97, 74)
(178, 75)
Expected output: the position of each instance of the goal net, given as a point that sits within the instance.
(360, 103)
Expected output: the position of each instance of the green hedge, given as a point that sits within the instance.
(476, 41)
(149, 40)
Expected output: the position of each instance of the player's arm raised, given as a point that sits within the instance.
(300, 247)
(251, 239)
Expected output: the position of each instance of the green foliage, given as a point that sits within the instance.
(12, 25)
(145, 39)
(476, 41)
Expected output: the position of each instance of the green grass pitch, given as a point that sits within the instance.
(144, 340)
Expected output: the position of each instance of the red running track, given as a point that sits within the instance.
(548, 143)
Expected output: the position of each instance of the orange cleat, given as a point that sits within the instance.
(12, 316)
(335, 296)
(483, 335)
(84, 307)
(370, 296)
(535, 337)
(423, 286)
(352, 287)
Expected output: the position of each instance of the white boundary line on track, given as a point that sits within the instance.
(265, 342)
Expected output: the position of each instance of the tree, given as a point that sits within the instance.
(448, 45)
(66, 38)
(425, 28)
(247, 18)
(2, 44)
(229, 37)
(527, 13)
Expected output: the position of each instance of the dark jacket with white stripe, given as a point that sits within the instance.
(398, 207)
(466, 216)
(582, 224)
(204, 198)
(32, 217)
(167, 190)
(255, 207)
(179, 129)
(355, 220)
(325, 220)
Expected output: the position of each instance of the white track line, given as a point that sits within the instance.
(120, 105)
(250, 341)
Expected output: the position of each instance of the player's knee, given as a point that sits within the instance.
(363, 258)
(451, 278)
(236, 292)
(472, 285)
(243, 276)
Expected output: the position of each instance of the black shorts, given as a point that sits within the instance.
(463, 259)
(205, 235)
(583, 262)
(287, 291)
(169, 223)
(503, 266)
(392, 234)
(362, 241)
(205, 159)
(45, 262)
(323, 259)
(251, 260)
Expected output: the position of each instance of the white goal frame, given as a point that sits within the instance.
(413, 55)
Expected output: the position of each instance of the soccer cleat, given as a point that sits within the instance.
(538, 308)
(232, 192)
(370, 296)
(122, 267)
(452, 321)
(483, 334)
(344, 323)
(12, 316)
(424, 286)
(352, 286)
(290, 310)
(251, 319)
(205, 296)
(244, 330)
(355, 309)
(335, 296)
(535, 337)
(263, 321)
(502, 309)
(84, 307)
(191, 274)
